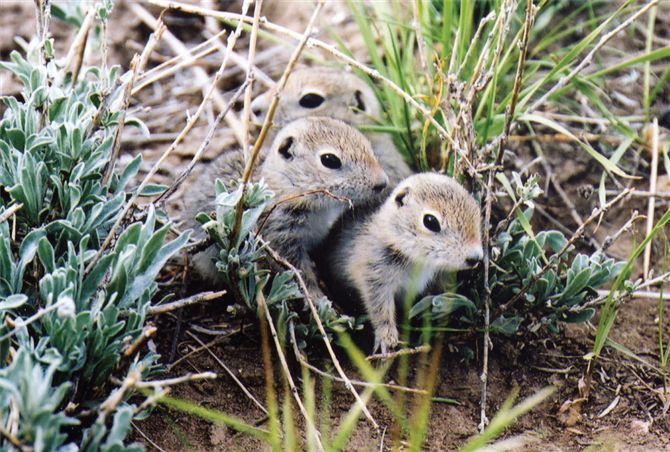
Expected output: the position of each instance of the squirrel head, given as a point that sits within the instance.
(433, 220)
(321, 92)
(317, 153)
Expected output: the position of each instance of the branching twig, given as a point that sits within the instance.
(177, 380)
(315, 314)
(578, 233)
(187, 128)
(253, 157)
(509, 115)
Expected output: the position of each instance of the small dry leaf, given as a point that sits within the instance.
(570, 413)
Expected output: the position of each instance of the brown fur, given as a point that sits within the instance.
(295, 227)
(392, 254)
(343, 93)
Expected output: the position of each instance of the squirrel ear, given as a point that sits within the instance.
(285, 148)
(400, 197)
(360, 105)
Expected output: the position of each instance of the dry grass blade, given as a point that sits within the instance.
(4, 216)
(563, 81)
(651, 203)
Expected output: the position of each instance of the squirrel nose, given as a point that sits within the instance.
(381, 184)
(474, 258)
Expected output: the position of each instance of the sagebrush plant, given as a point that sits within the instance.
(245, 266)
(455, 80)
(68, 333)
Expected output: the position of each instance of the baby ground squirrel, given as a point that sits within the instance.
(319, 91)
(308, 154)
(428, 225)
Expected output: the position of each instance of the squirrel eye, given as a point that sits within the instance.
(311, 100)
(331, 161)
(431, 223)
(360, 105)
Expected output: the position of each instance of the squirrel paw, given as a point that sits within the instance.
(386, 339)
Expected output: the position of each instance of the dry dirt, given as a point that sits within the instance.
(636, 421)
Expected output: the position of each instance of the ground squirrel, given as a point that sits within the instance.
(429, 224)
(320, 91)
(307, 155)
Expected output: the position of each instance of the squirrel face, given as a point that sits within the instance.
(317, 153)
(434, 220)
(321, 92)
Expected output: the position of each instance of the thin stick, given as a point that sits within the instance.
(313, 42)
(38, 315)
(303, 362)
(260, 299)
(246, 111)
(578, 233)
(187, 128)
(651, 205)
(179, 304)
(4, 216)
(611, 239)
(149, 440)
(203, 146)
(136, 66)
(509, 115)
(401, 352)
(177, 380)
(230, 374)
(587, 59)
(251, 161)
(315, 314)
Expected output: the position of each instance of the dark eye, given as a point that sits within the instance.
(285, 148)
(311, 100)
(331, 161)
(431, 223)
(360, 105)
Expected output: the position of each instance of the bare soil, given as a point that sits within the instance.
(624, 412)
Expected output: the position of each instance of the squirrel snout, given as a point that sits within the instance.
(380, 183)
(474, 257)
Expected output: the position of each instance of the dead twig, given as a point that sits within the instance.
(201, 149)
(509, 115)
(315, 314)
(402, 352)
(230, 373)
(187, 128)
(7, 214)
(253, 157)
(260, 299)
(578, 233)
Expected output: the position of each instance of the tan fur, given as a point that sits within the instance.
(392, 254)
(296, 226)
(343, 93)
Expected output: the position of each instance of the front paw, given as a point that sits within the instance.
(386, 339)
